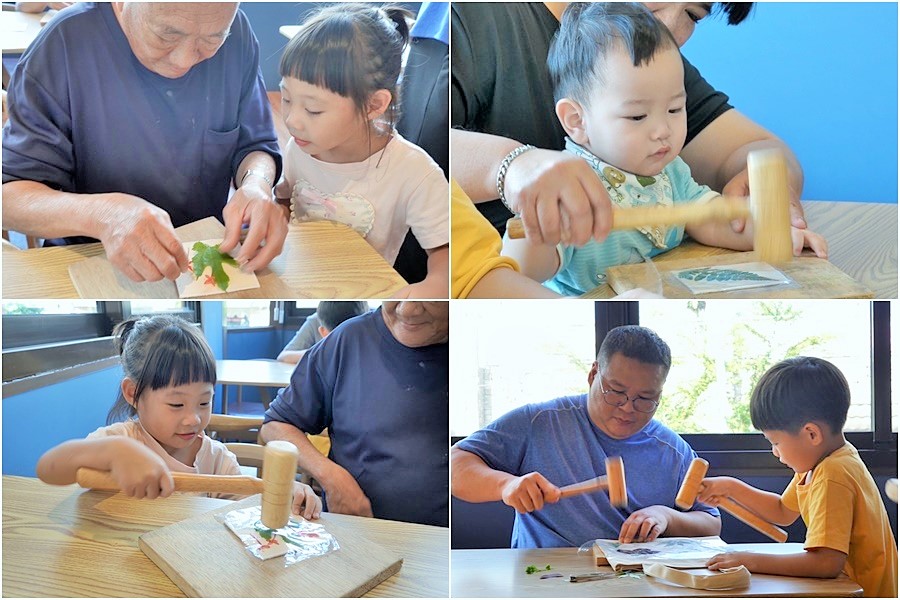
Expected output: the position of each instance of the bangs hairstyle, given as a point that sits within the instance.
(797, 391)
(350, 49)
(635, 342)
(158, 352)
(589, 32)
(735, 11)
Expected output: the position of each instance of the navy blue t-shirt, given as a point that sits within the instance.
(85, 116)
(386, 410)
(559, 440)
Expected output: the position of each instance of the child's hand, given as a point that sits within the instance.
(804, 238)
(140, 472)
(728, 560)
(305, 498)
(713, 489)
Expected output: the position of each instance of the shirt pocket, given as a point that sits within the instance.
(219, 148)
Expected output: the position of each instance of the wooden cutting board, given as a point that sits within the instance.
(815, 278)
(97, 278)
(204, 559)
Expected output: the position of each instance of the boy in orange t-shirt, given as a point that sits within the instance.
(801, 405)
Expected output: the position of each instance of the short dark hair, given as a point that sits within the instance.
(797, 391)
(351, 49)
(588, 32)
(635, 342)
(333, 313)
(157, 352)
(736, 11)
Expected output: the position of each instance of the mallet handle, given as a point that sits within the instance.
(184, 482)
(583, 487)
(719, 209)
(753, 520)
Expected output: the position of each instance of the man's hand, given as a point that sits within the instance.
(739, 186)
(644, 525)
(559, 198)
(139, 238)
(344, 494)
(140, 472)
(253, 204)
(305, 502)
(529, 493)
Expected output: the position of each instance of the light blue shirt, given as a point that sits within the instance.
(558, 440)
(582, 269)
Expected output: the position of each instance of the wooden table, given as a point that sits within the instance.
(320, 260)
(862, 242)
(18, 30)
(501, 573)
(255, 373)
(65, 541)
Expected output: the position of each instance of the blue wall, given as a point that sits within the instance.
(823, 77)
(35, 421)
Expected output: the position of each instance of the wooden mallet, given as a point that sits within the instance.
(769, 207)
(687, 494)
(276, 485)
(613, 481)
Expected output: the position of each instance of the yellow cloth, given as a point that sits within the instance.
(843, 511)
(475, 246)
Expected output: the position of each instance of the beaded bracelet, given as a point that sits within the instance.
(261, 174)
(504, 167)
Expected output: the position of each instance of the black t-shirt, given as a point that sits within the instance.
(500, 83)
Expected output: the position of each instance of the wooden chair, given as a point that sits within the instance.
(238, 430)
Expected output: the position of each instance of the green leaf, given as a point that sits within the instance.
(717, 274)
(210, 256)
(645, 181)
(530, 569)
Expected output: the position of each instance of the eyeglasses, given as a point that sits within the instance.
(616, 398)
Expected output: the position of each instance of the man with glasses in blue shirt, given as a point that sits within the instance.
(525, 456)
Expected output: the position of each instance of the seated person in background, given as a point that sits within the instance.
(524, 455)
(618, 83)
(801, 405)
(328, 315)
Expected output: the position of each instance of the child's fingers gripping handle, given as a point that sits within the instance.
(95, 480)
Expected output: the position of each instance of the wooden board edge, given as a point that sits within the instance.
(163, 566)
(386, 573)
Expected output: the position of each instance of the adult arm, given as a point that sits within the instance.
(291, 356)
(254, 205)
(138, 471)
(341, 490)
(649, 523)
(473, 480)
(718, 158)
(138, 237)
(557, 194)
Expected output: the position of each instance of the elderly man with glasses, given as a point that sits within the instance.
(525, 456)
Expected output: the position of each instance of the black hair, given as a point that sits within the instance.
(797, 391)
(352, 50)
(736, 11)
(158, 352)
(588, 32)
(635, 342)
(333, 313)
